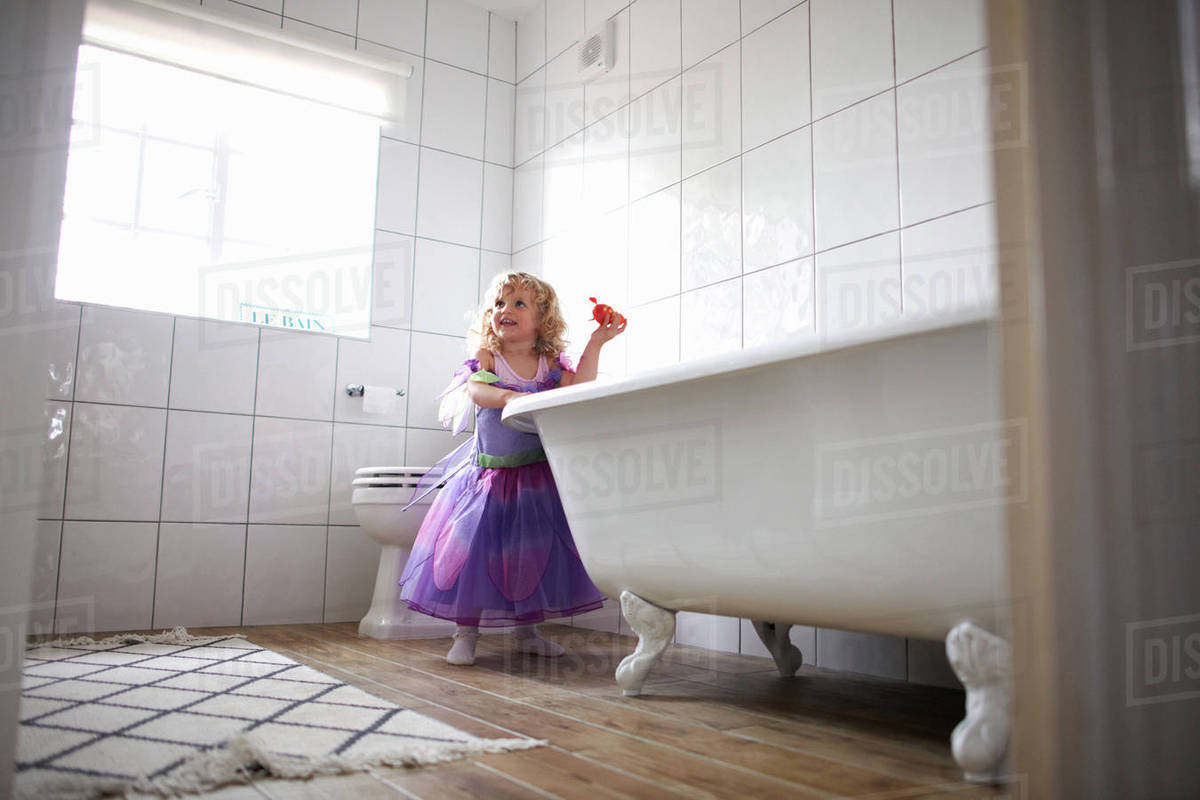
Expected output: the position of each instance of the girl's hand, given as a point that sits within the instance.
(612, 326)
(510, 395)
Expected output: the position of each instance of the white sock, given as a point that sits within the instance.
(528, 641)
(462, 652)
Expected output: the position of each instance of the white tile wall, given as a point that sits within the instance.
(295, 375)
(527, 203)
(198, 580)
(124, 356)
(54, 465)
(392, 277)
(297, 461)
(654, 242)
(206, 473)
(502, 49)
(214, 366)
(606, 165)
(961, 28)
(457, 33)
(453, 115)
(858, 286)
(501, 107)
(396, 205)
(434, 361)
(497, 208)
(951, 264)
(63, 340)
(529, 133)
(45, 576)
(564, 98)
(711, 248)
(655, 139)
(115, 463)
(563, 186)
(395, 23)
(775, 85)
(357, 446)
(710, 320)
(712, 120)
(449, 198)
(777, 303)
(564, 25)
(709, 631)
(289, 479)
(447, 275)
(777, 201)
(851, 52)
(854, 173)
(531, 41)
(285, 574)
(708, 25)
(214, 378)
(756, 13)
(883, 656)
(817, 248)
(337, 15)
(945, 140)
(108, 569)
(654, 44)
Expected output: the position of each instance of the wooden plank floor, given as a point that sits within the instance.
(708, 725)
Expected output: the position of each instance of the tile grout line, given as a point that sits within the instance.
(162, 475)
(62, 528)
(250, 487)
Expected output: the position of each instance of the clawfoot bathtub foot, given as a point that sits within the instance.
(654, 626)
(788, 657)
(983, 662)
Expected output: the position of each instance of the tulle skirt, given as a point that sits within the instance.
(494, 549)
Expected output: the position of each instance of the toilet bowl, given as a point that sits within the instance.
(379, 495)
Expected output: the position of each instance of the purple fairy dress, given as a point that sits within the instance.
(494, 548)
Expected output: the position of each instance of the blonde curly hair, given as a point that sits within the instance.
(552, 327)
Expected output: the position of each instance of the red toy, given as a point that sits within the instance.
(602, 310)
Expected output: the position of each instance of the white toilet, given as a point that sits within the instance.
(379, 495)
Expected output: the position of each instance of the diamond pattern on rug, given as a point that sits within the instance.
(131, 713)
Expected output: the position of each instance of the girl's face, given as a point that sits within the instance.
(515, 318)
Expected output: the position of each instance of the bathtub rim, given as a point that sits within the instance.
(521, 413)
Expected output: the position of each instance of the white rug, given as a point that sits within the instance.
(177, 713)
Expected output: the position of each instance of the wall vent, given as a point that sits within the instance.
(596, 51)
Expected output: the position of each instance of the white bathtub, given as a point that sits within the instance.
(852, 485)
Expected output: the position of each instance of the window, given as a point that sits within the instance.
(221, 171)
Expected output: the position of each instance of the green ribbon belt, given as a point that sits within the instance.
(512, 460)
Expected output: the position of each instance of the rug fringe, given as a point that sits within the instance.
(241, 759)
(177, 635)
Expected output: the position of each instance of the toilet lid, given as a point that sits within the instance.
(393, 471)
(408, 483)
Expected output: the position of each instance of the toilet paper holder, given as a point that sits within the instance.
(357, 390)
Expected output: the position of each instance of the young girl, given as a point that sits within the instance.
(494, 548)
